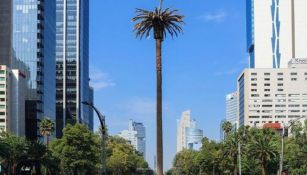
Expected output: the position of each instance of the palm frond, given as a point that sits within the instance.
(161, 22)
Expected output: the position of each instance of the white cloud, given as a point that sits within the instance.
(141, 107)
(100, 79)
(216, 17)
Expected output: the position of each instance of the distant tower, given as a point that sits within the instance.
(136, 135)
(187, 133)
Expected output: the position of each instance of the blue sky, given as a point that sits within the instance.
(199, 68)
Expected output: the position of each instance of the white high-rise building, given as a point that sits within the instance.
(232, 107)
(276, 32)
(12, 101)
(272, 95)
(136, 135)
(187, 133)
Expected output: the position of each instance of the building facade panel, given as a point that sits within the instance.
(276, 32)
(272, 96)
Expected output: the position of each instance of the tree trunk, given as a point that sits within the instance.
(235, 163)
(263, 167)
(47, 143)
(159, 107)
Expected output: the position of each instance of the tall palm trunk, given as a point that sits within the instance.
(264, 167)
(159, 107)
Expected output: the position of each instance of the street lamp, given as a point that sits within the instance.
(282, 143)
(103, 134)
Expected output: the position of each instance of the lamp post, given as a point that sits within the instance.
(282, 143)
(103, 134)
(239, 148)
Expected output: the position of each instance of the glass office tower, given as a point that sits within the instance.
(72, 62)
(34, 53)
(5, 32)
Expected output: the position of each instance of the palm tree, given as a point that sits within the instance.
(161, 22)
(227, 127)
(231, 150)
(46, 128)
(263, 147)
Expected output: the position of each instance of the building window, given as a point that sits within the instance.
(2, 71)
(267, 90)
(293, 73)
(293, 79)
(255, 95)
(2, 78)
(2, 93)
(280, 90)
(254, 90)
(267, 84)
(280, 79)
(280, 73)
(280, 84)
(2, 120)
(266, 79)
(254, 84)
(267, 106)
(253, 73)
(2, 106)
(267, 74)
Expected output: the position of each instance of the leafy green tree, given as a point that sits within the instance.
(122, 158)
(46, 128)
(186, 163)
(78, 150)
(13, 151)
(264, 147)
(295, 150)
(161, 22)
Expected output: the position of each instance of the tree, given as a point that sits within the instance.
(122, 158)
(46, 128)
(186, 163)
(161, 22)
(264, 147)
(295, 150)
(78, 150)
(227, 127)
(13, 152)
(230, 149)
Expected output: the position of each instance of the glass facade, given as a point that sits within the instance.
(34, 53)
(241, 100)
(5, 32)
(72, 82)
(250, 31)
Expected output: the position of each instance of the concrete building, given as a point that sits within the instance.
(276, 32)
(188, 135)
(4, 98)
(72, 62)
(232, 107)
(12, 101)
(272, 95)
(136, 135)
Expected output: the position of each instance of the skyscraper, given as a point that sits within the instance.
(232, 108)
(72, 62)
(136, 135)
(268, 96)
(12, 101)
(34, 53)
(5, 32)
(187, 133)
(276, 32)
